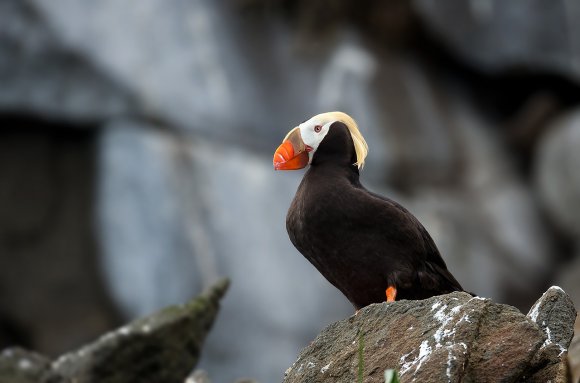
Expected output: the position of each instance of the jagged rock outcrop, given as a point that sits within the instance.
(162, 348)
(449, 338)
(554, 313)
(22, 366)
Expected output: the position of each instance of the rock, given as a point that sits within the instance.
(552, 309)
(568, 279)
(498, 36)
(44, 76)
(21, 366)
(574, 353)
(454, 337)
(201, 376)
(556, 175)
(163, 347)
(198, 376)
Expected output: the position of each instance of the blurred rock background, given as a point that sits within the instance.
(136, 142)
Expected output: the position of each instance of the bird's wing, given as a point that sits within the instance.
(434, 263)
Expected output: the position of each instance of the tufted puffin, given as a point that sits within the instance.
(368, 246)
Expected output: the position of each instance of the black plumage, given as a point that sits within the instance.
(360, 241)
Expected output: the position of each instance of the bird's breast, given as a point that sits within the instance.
(316, 224)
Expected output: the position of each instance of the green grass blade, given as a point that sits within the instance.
(361, 361)
(391, 376)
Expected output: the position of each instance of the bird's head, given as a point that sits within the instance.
(300, 144)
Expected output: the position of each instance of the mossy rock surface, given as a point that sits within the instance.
(161, 348)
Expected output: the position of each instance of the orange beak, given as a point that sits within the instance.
(292, 154)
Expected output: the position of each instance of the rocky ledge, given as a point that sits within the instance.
(448, 338)
(162, 348)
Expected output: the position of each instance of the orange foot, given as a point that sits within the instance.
(391, 293)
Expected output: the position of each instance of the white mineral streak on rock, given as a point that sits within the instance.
(424, 352)
(325, 368)
(477, 298)
(464, 318)
(60, 361)
(107, 337)
(440, 314)
(549, 341)
(443, 338)
(534, 312)
(455, 310)
(450, 358)
(404, 358)
(24, 364)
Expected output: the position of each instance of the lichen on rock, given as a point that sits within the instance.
(162, 348)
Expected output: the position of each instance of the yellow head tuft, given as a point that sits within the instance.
(360, 145)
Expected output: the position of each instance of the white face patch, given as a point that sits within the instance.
(313, 132)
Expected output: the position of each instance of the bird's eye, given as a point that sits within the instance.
(317, 128)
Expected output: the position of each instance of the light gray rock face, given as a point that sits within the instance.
(496, 35)
(173, 63)
(568, 277)
(451, 338)
(191, 62)
(42, 75)
(556, 172)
